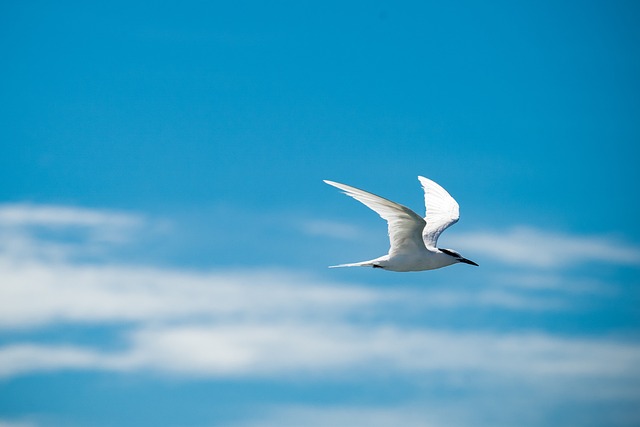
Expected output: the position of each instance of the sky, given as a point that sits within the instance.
(165, 232)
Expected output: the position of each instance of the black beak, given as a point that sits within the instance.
(468, 261)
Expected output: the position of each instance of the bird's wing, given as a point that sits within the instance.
(442, 211)
(405, 226)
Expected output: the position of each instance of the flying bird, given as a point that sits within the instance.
(413, 238)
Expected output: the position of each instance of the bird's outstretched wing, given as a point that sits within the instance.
(442, 211)
(405, 226)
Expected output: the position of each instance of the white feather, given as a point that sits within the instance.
(442, 211)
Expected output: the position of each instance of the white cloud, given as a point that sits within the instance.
(536, 248)
(23, 214)
(16, 423)
(263, 322)
(42, 283)
(552, 281)
(54, 232)
(486, 297)
(39, 292)
(334, 348)
(333, 229)
(340, 416)
(36, 293)
(17, 359)
(494, 407)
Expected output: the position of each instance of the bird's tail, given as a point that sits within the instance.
(371, 263)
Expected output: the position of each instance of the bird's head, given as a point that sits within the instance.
(457, 256)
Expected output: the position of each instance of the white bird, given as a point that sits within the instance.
(413, 239)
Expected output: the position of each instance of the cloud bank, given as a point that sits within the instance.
(530, 247)
(273, 323)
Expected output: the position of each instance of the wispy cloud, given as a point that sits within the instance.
(29, 231)
(89, 293)
(24, 214)
(92, 293)
(344, 416)
(522, 408)
(16, 423)
(72, 291)
(530, 247)
(333, 229)
(17, 359)
(334, 348)
(270, 323)
(554, 281)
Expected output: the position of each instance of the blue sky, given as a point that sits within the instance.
(165, 232)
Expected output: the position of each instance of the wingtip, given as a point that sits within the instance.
(424, 180)
(342, 187)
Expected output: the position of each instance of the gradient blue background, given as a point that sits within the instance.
(222, 119)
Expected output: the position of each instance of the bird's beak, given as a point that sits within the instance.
(468, 261)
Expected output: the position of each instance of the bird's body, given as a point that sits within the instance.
(417, 261)
(413, 238)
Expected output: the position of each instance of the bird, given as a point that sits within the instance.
(413, 239)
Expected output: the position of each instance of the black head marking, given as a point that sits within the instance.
(450, 253)
(457, 256)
